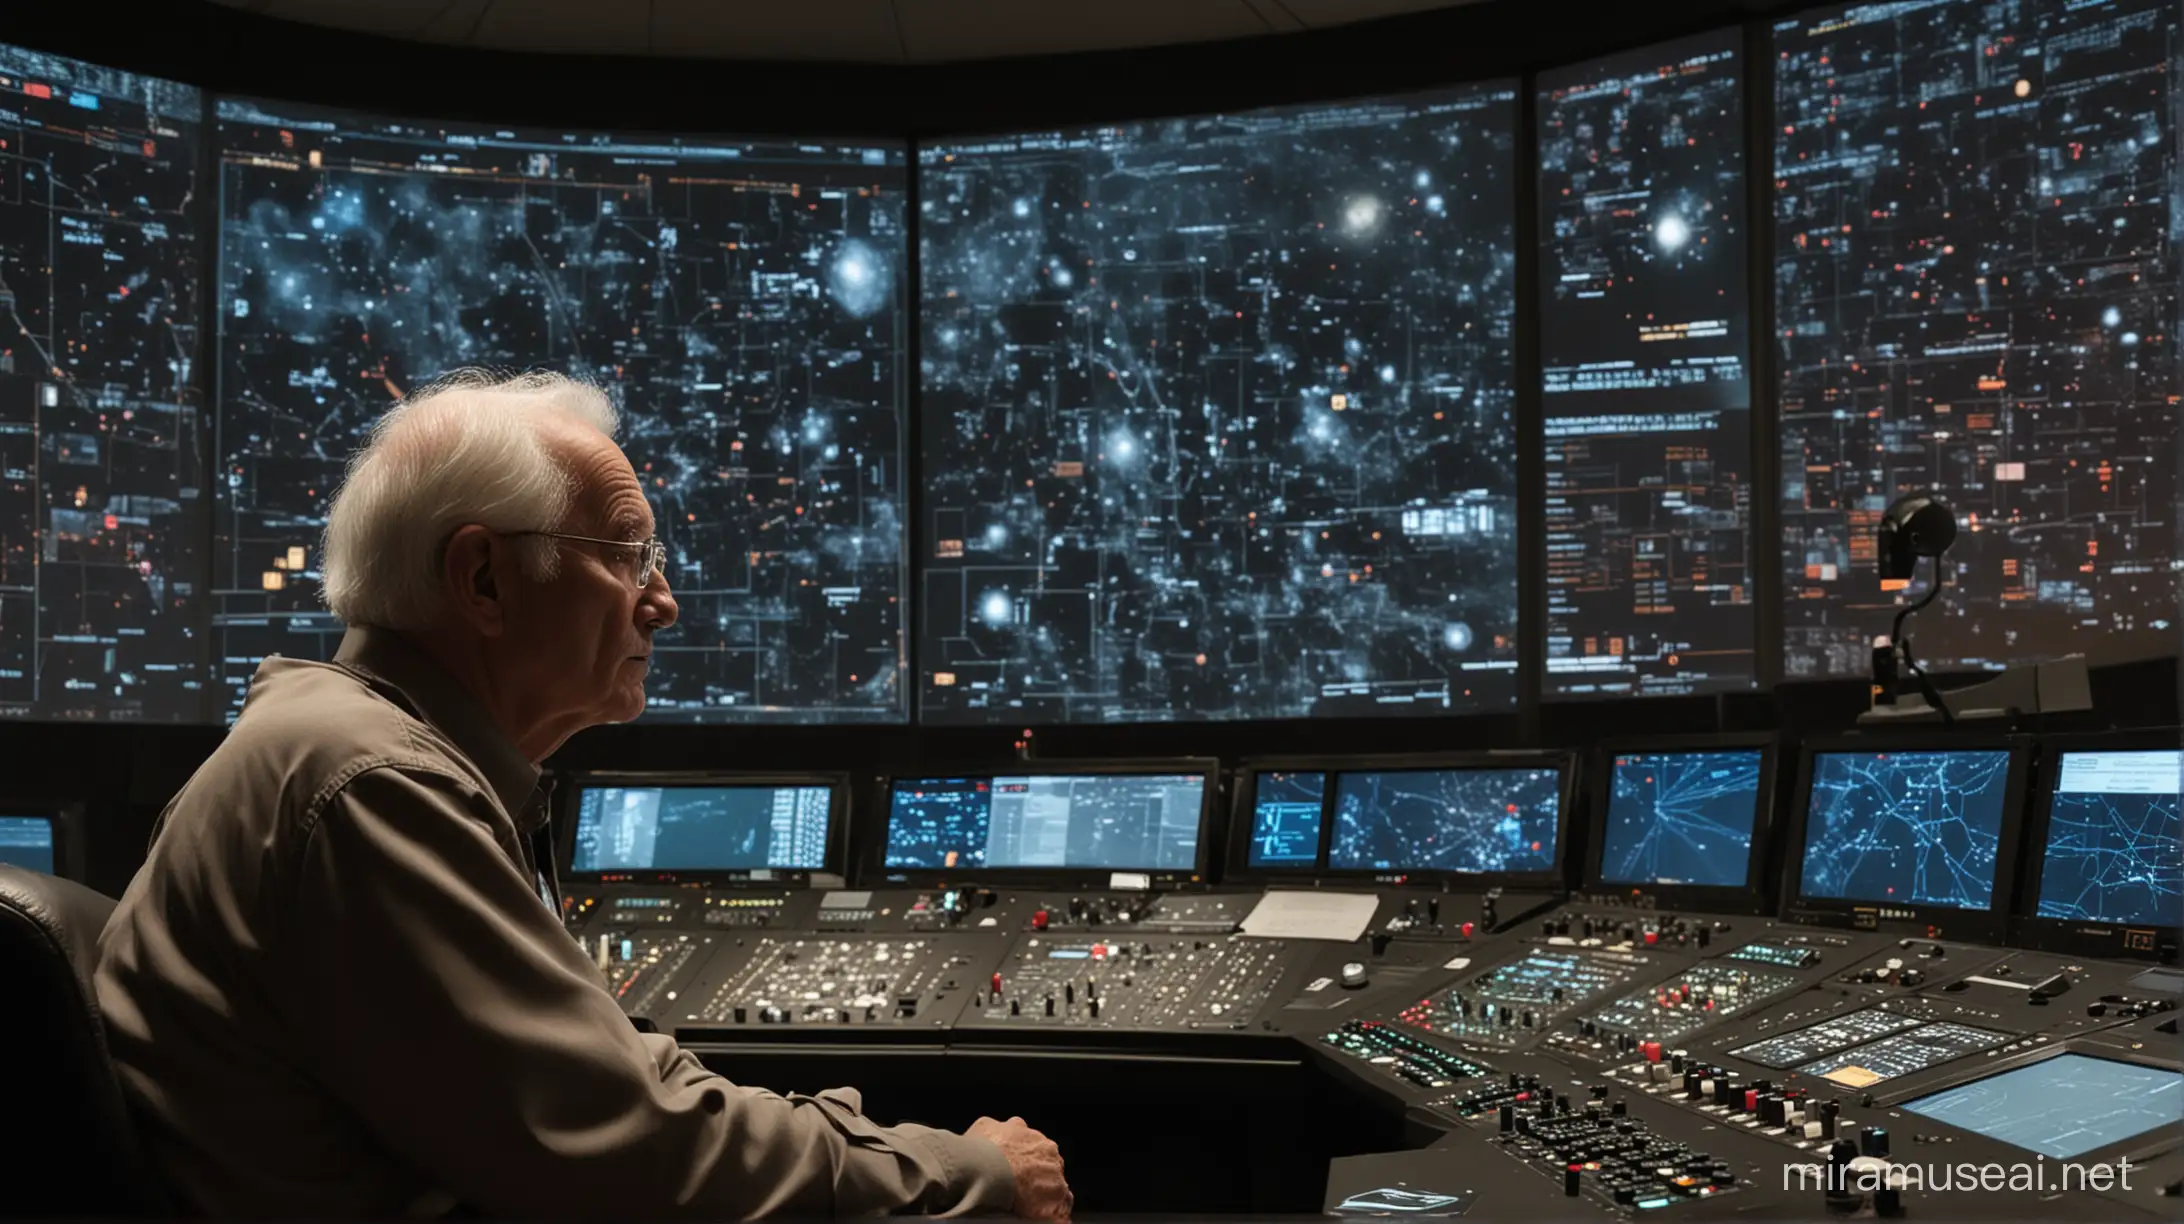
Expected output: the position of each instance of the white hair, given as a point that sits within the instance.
(469, 448)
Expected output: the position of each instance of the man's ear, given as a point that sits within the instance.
(476, 562)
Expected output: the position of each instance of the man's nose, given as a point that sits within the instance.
(656, 608)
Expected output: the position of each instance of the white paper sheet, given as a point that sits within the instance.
(1294, 914)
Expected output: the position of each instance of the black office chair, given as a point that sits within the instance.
(75, 1150)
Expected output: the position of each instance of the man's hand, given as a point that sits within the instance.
(1041, 1193)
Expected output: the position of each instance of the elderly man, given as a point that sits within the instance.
(339, 987)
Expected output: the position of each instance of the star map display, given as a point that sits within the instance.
(1905, 828)
(2113, 839)
(701, 828)
(745, 301)
(1125, 822)
(102, 556)
(1286, 811)
(1976, 294)
(2043, 1107)
(1681, 818)
(1466, 820)
(1645, 347)
(1217, 417)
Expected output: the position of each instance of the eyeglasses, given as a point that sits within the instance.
(651, 554)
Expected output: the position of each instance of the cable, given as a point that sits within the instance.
(1902, 647)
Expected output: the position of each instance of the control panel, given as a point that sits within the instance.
(1142, 981)
(815, 980)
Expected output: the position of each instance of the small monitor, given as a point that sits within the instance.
(1049, 822)
(29, 842)
(636, 826)
(1473, 820)
(1286, 809)
(1682, 818)
(1908, 828)
(2113, 831)
(2062, 1107)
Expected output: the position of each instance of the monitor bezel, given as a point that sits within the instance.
(1750, 897)
(876, 872)
(2134, 941)
(1975, 925)
(1238, 858)
(568, 792)
(65, 817)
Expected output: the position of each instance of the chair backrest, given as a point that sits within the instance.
(74, 1151)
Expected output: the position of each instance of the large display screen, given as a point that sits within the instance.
(102, 490)
(701, 828)
(1645, 351)
(1473, 821)
(1122, 822)
(1218, 416)
(2044, 1108)
(1681, 818)
(1287, 809)
(1976, 295)
(1905, 828)
(2113, 839)
(744, 300)
(27, 842)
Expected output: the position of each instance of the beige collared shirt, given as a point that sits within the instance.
(334, 990)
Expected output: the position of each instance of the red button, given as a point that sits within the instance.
(1467, 928)
(1039, 921)
(1651, 1049)
(997, 983)
(1652, 938)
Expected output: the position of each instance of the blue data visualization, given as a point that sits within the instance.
(27, 842)
(1905, 828)
(2112, 840)
(1120, 822)
(1285, 819)
(2062, 1108)
(1474, 821)
(1681, 818)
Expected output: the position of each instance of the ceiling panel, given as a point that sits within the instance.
(869, 31)
(855, 30)
(939, 30)
(597, 27)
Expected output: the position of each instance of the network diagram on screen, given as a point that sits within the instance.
(102, 498)
(1681, 818)
(701, 828)
(2113, 850)
(1955, 336)
(1286, 812)
(1459, 820)
(1132, 822)
(1218, 416)
(744, 301)
(1905, 827)
(1644, 345)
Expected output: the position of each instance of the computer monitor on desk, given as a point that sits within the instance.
(713, 829)
(1683, 823)
(1091, 824)
(1482, 819)
(41, 837)
(2104, 874)
(1907, 828)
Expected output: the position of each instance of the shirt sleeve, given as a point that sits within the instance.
(440, 1000)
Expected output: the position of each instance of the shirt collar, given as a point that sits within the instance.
(430, 693)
